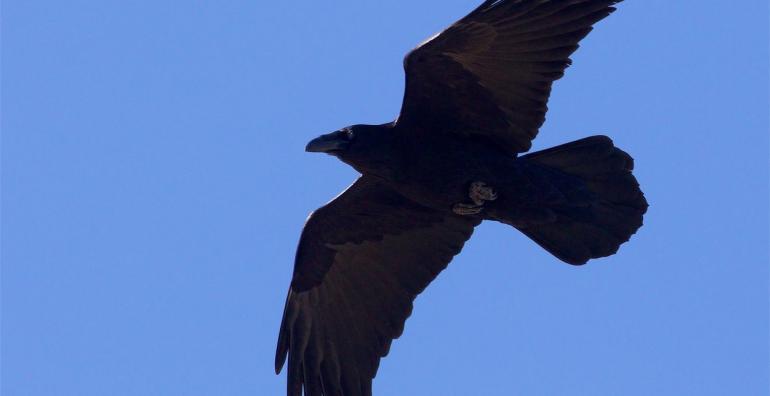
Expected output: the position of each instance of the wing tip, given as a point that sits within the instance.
(281, 353)
(282, 346)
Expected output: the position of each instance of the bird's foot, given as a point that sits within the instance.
(479, 192)
(464, 209)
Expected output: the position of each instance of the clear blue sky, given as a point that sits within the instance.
(154, 186)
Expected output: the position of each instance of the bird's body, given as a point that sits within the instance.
(436, 174)
(475, 98)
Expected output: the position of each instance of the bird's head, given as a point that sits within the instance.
(367, 148)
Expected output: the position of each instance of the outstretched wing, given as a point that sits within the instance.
(490, 73)
(361, 261)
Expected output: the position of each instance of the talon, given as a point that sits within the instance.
(480, 192)
(463, 209)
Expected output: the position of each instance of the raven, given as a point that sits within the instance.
(475, 98)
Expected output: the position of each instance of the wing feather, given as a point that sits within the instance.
(490, 74)
(361, 261)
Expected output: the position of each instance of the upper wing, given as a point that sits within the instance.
(491, 72)
(361, 261)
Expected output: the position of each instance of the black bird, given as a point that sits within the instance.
(475, 98)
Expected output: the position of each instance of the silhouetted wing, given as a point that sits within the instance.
(361, 261)
(490, 73)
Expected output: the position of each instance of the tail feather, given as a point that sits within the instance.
(586, 229)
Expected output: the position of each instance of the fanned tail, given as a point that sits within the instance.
(602, 204)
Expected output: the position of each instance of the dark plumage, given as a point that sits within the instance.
(475, 98)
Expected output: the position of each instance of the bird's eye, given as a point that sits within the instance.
(348, 133)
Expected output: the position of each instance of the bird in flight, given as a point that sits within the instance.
(475, 98)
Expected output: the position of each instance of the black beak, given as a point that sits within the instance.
(329, 143)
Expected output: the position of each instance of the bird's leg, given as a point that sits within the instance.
(478, 192)
(464, 209)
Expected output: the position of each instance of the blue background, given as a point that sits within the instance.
(154, 186)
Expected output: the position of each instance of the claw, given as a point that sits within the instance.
(480, 192)
(463, 209)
